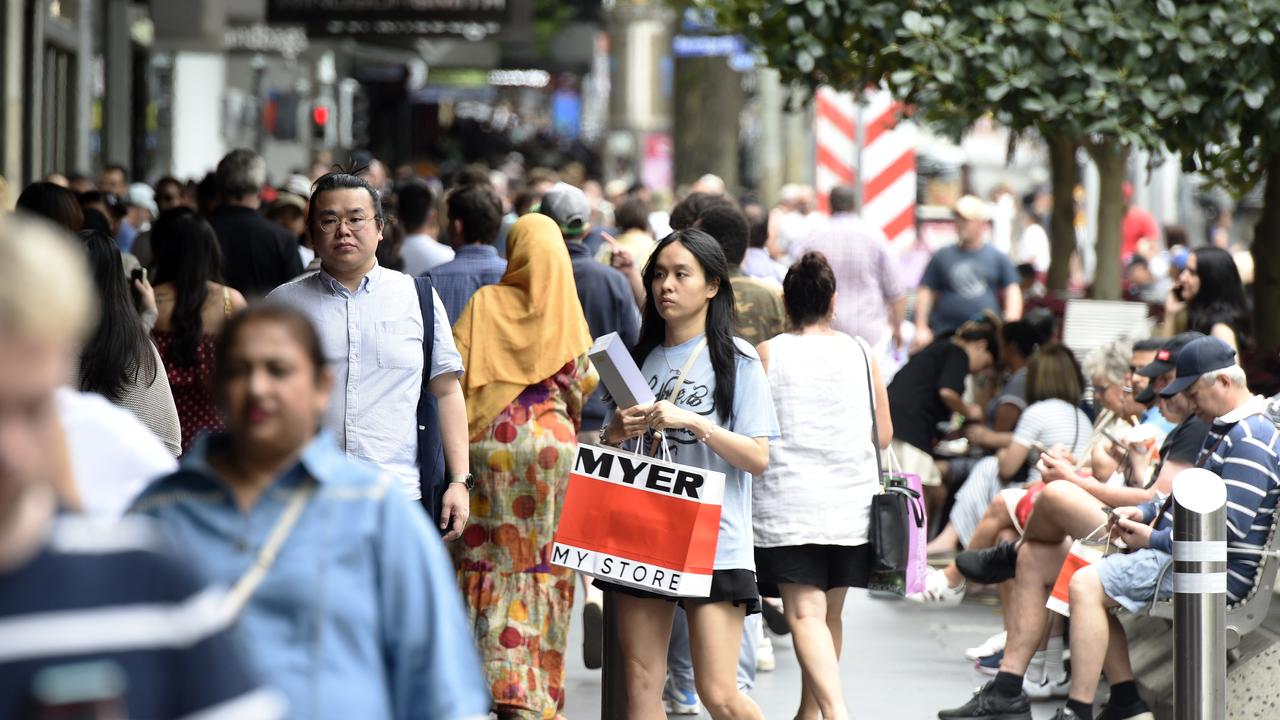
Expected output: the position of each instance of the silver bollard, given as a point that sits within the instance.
(1199, 596)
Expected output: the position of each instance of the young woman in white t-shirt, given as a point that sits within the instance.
(722, 419)
(812, 506)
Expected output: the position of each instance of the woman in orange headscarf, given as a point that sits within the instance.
(524, 343)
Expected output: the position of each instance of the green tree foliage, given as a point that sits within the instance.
(1108, 75)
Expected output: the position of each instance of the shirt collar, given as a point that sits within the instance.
(320, 459)
(367, 283)
(1256, 405)
(578, 248)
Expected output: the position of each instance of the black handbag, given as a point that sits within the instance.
(891, 508)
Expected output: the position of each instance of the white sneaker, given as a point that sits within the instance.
(990, 646)
(937, 591)
(680, 701)
(765, 661)
(1047, 689)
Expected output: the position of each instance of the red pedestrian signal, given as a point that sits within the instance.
(320, 115)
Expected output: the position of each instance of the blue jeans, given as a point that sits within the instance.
(680, 659)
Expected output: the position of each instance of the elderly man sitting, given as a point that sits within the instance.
(1242, 447)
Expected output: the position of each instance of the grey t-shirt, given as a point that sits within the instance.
(966, 283)
(753, 416)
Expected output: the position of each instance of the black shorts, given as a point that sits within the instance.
(732, 586)
(824, 566)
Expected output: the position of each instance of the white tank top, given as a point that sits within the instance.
(822, 471)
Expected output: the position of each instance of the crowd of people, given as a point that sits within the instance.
(302, 448)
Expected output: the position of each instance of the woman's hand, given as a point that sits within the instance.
(663, 415)
(147, 294)
(627, 423)
(1174, 304)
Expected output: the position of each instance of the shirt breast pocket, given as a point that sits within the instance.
(399, 344)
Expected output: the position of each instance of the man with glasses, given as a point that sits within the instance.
(373, 331)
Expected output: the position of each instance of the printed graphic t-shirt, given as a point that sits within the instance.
(753, 416)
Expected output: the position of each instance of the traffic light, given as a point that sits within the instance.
(320, 116)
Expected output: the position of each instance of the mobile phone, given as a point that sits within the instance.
(1039, 447)
(1177, 292)
(138, 274)
(1115, 440)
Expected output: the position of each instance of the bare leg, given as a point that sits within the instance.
(715, 631)
(1091, 633)
(945, 542)
(815, 647)
(1026, 615)
(644, 630)
(1063, 510)
(993, 523)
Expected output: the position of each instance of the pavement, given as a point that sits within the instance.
(901, 661)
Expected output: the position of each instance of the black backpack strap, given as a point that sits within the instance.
(431, 471)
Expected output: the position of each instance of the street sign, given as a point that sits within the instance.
(471, 19)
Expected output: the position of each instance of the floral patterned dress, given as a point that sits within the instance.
(518, 602)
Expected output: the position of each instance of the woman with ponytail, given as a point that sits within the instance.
(812, 506)
(721, 418)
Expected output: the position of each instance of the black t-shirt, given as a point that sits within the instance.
(1183, 443)
(913, 394)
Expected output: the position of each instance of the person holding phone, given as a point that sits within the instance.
(1211, 296)
(721, 418)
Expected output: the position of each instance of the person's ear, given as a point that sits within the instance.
(713, 288)
(831, 308)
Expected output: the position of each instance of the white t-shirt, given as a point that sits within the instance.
(753, 416)
(1033, 247)
(113, 455)
(421, 253)
(822, 472)
(1053, 422)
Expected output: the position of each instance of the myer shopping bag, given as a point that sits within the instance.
(910, 577)
(640, 521)
(1083, 553)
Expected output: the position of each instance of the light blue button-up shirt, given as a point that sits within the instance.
(360, 616)
(372, 339)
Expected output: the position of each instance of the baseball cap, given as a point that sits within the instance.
(568, 206)
(1201, 355)
(298, 185)
(1167, 355)
(971, 207)
(141, 195)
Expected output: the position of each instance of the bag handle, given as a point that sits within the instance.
(244, 588)
(871, 395)
(660, 440)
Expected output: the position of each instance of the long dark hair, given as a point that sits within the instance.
(721, 314)
(807, 289)
(187, 255)
(53, 202)
(119, 351)
(1220, 298)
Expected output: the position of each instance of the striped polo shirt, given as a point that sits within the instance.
(99, 618)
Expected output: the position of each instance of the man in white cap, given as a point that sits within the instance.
(965, 279)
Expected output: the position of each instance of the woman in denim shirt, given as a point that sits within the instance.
(358, 615)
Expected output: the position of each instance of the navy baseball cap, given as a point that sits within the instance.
(1196, 358)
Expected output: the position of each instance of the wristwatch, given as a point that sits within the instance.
(467, 480)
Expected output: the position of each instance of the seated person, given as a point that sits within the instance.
(1242, 446)
(1053, 418)
(928, 389)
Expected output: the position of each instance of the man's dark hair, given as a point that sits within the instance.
(472, 174)
(728, 226)
(479, 209)
(687, 211)
(342, 180)
(633, 214)
(124, 172)
(842, 199)
(414, 199)
(1026, 271)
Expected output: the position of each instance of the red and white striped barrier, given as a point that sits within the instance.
(835, 128)
(888, 168)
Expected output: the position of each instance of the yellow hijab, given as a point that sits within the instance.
(522, 330)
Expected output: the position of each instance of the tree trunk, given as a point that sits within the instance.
(708, 100)
(1266, 261)
(1111, 158)
(1062, 228)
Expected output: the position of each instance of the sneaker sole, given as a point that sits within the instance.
(775, 619)
(593, 636)
(674, 709)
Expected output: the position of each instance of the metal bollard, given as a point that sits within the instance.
(1199, 596)
(613, 702)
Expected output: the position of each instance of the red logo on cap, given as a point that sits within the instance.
(1163, 355)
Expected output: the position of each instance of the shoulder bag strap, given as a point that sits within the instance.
(431, 470)
(244, 588)
(660, 439)
(871, 396)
